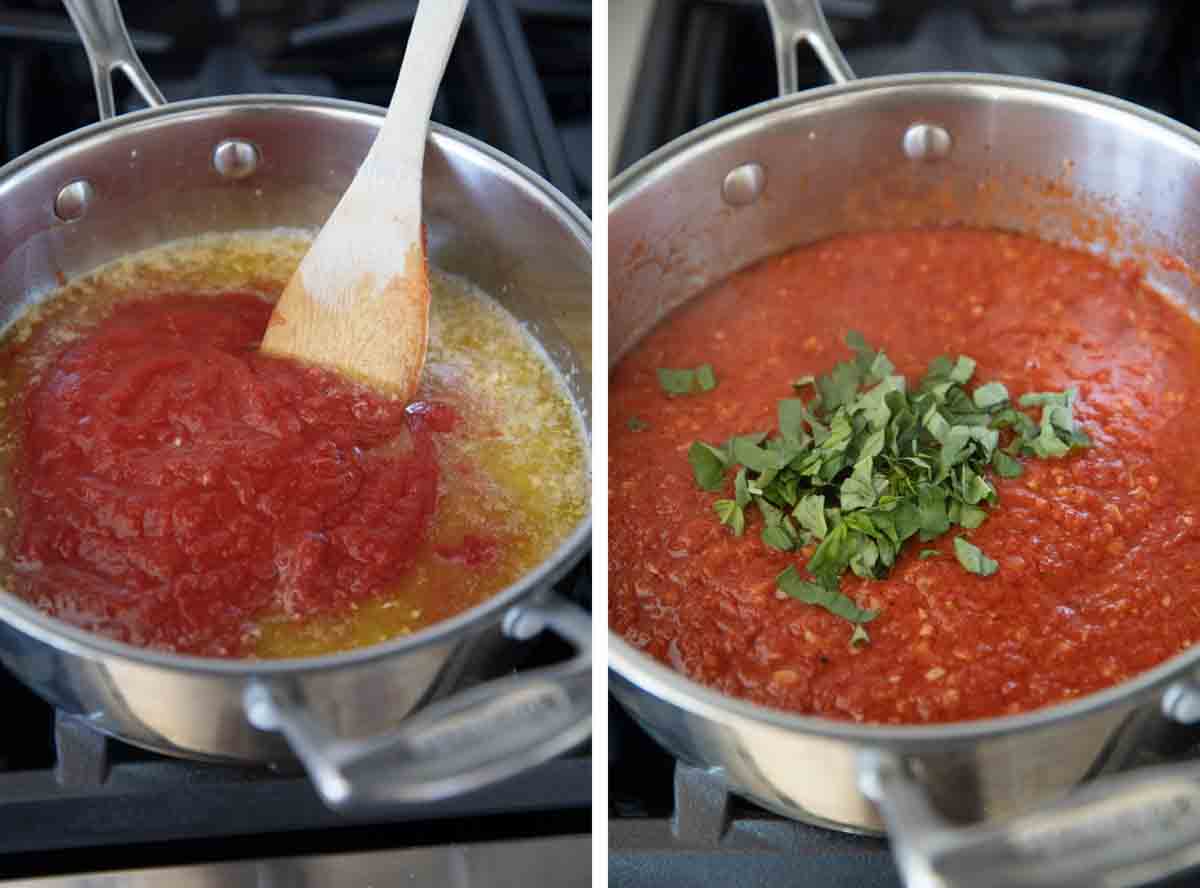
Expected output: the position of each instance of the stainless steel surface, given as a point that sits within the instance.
(475, 737)
(835, 161)
(102, 29)
(563, 862)
(488, 218)
(1126, 830)
(802, 21)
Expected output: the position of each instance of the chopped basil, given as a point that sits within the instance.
(636, 424)
(929, 553)
(810, 512)
(708, 465)
(989, 395)
(731, 514)
(777, 537)
(1005, 465)
(684, 382)
(823, 595)
(868, 462)
(972, 558)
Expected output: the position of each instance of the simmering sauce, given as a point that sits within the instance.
(172, 487)
(1099, 553)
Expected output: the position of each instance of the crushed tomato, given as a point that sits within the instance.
(174, 483)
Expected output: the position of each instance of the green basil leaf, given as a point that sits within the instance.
(986, 438)
(686, 381)
(973, 488)
(953, 447)
(833, 554)
(741, 495)
(971, 517)
(708, 465)
(1005, 465)
(990, 395)
(1046, 399)
(752, 456)
(771, 515)
(826, 596)
(972, 558)
(731, 514)
(906, 519)
(863, 561)
(776, 536)
(810, 512)
(792, 412)
(963, 370)
(931, 505)
(839, 387)
(858, 491)
(637, 425)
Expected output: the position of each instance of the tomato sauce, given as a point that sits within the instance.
(164, 484)
(175, 482)
(1099, 553)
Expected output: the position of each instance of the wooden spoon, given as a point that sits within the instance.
(359, 301)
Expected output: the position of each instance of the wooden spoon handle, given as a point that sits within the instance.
(425, 59)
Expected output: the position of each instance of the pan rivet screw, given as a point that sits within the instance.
(744, 184)
(73, 200)
(926, 141)
(1181, 702)
(235, 158)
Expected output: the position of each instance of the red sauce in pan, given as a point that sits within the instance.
(1099, 553)
(175, 483)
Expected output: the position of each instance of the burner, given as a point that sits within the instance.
(519, 78)
(712, 837)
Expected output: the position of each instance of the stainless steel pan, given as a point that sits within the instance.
(385, 723)
(979, 803)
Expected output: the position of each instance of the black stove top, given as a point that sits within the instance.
(670, 824)
(72, 801)
(519, 77)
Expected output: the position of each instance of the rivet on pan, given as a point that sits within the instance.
(235, 158)
(744, 184)
(926, 141)
(1181, 702)
(522, 623)
(73, 200)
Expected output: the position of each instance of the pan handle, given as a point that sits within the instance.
(794, 21)
(109, 49)
(1117, 831)
(457, 745)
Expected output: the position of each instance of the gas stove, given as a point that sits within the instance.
(682, 63)
(73, 801)
(519, 77)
